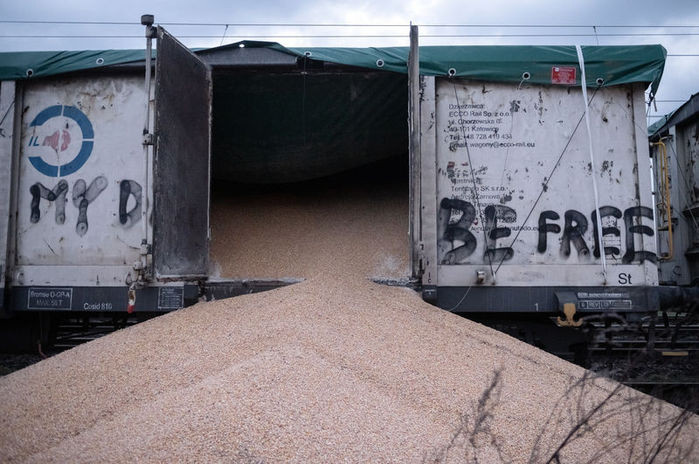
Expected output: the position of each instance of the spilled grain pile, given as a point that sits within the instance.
(334, 369)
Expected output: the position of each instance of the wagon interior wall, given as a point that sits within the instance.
(295, 126)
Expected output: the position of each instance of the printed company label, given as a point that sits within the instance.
(604, 301)
(170, 297)
(603, 295)
(563, 75)
(49, 298)
(605, 304)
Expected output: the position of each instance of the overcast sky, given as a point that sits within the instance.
(680, 81)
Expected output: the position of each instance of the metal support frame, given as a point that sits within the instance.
(414, 150)
(141, 267)
(7, 125)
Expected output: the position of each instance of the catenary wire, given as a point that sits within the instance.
(281, 24)
(329, 36)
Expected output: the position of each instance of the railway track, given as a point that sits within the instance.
(659, 356)
(672, 380)
(666, 340)
(69, 332)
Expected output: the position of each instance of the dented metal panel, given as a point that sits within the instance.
(182, 161)
(80, 191)
(514, 198)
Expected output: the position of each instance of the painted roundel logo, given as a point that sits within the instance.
(58, 151)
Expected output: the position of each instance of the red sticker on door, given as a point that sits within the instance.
(563, 75)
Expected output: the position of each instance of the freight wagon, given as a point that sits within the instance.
(526, 168)
(675, 152)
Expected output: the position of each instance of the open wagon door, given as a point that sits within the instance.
(181, 163)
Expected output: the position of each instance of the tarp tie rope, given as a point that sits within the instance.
(303, 102)
(224, 35)
(545, 183)
(475, 189)
(583, 85)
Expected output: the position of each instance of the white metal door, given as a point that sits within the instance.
(81, 172)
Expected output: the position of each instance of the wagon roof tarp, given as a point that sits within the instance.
(500, 63)
(687, 110)
(654, 128)
(23, 65)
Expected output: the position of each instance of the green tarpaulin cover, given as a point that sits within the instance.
(24, 65)
(613, 64)
(659, 124)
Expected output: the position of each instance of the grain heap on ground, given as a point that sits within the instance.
(333, 369)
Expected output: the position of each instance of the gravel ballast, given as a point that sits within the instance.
(333, 369)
